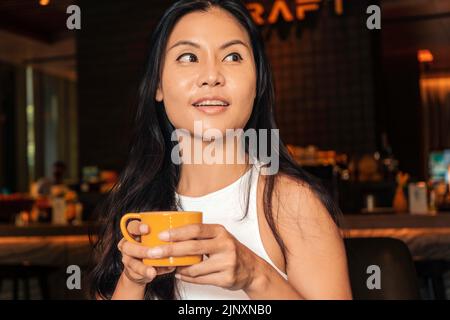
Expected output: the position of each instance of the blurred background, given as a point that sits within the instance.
(367, 111)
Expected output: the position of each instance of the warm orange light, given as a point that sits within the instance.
(425, 56)
(338, 7)
(44, 2)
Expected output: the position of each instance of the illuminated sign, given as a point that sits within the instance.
(281, 9)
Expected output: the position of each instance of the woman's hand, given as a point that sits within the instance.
(230, 264)
(132, 254)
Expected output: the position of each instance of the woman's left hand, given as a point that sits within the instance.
(230, 264)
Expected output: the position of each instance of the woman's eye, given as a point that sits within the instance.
(236, 55)
(190, 57)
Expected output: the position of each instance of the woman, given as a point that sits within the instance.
(207, 65)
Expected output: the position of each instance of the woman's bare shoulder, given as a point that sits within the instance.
(297, 206)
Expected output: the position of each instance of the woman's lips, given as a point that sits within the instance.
(212, 109)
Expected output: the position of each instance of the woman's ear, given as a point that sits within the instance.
(159, 94)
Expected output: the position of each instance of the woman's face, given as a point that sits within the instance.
(208, 57)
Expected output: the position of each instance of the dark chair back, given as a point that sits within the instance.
(398, 276)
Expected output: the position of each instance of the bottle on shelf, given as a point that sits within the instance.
(389, 164)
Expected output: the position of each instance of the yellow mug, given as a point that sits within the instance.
(159, 221)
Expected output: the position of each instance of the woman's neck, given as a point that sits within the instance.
(200, 179)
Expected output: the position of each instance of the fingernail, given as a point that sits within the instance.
(154, 253)
(164, 235)
(143, 228)
(178, 276)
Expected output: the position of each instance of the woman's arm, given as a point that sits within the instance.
(268, 284)
(317, 266)
(135, 276)
(128, 290)
(316, 258)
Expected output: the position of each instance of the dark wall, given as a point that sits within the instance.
(324, 72)
(323, 68)
(401, 111)
(110, 52)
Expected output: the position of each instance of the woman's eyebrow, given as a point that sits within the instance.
(196, 45)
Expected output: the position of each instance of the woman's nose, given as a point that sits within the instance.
(211, 75)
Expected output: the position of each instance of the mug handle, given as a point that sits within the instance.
(123, 225)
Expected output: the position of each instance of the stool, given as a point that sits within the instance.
(398, 274)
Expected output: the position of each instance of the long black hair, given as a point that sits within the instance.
(149, 179)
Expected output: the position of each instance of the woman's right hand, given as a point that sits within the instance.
(132, 254)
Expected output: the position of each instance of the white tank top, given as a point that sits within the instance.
(227, 206)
